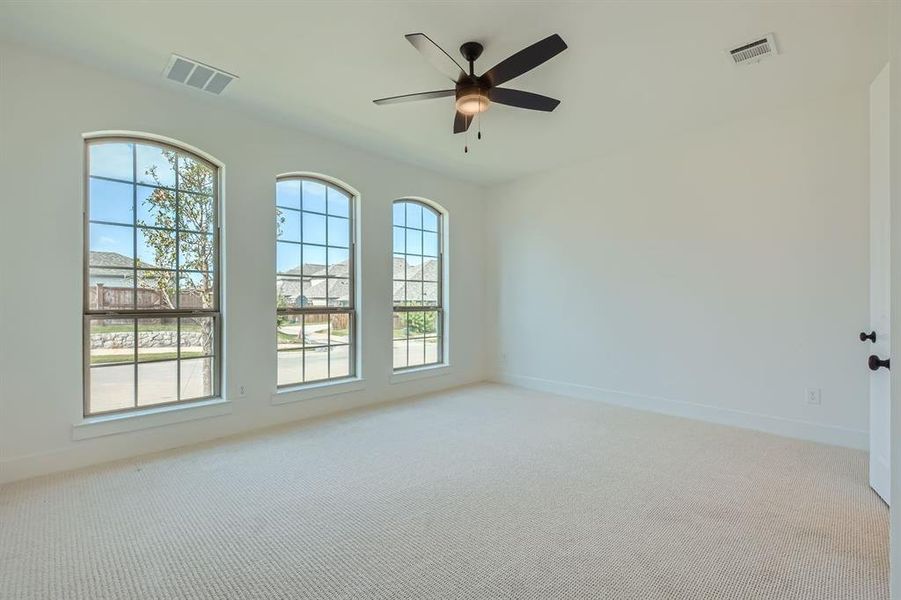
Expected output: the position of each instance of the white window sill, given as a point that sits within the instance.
(317, 390)
(101, 425)
(420, 373)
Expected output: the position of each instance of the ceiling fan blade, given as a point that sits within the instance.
(461, 122)
(436, 56)
(414, 97)
(525, 60)
(521, 99)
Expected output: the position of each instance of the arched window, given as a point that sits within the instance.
(418, 286)
(315, 320)
(151, 275)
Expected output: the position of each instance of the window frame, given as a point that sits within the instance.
(89, 314)
(440, 307)
(353, 371)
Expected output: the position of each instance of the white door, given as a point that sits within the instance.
(880, 288)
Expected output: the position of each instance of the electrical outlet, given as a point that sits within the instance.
(813, 395)
(242, 391)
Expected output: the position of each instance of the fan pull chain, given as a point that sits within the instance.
(466, 143)
(479, 124)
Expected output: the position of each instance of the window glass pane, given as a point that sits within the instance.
(196, 212)
(338, 203)
(290, 367)
(429, 220)
(414, 215)
(287, 193)
(313, 196)
(289, 292)
(315, 330)
(157, 339)
(197, 251)
(196, 378)
(430, 293)
(338, 232)
(430, 243)
(430, 270)
(114, 160)
(400, 267)
(422, 323)
(400, 212)
(113, 239)
(289, 332)
(155, 290)
(198, 336)
(112, 388)
(112, 341)
(339, 328)
(316, 363)
(197, 290)
(287, 258)
(338, 292)
(313, 228)
(194, 176)
(432, 350)
(287, 224)
(315, 291)
(308, 343)
(156, 207)
(111, 201)
(156, 248)
(414, 293)
(339, 361)
(176, 271)
(338, 262)
(314, 260)
(400, 353)
(110, 289)
(400, 326)
(414, 241)
(157, 382)
(400, 244)
(433, 323)
(155, 165)
(415, 352)
(414, 268)
(400, 293)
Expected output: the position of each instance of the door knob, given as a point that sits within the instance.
(868, 336)
(875, 362)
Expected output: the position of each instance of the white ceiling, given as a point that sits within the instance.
(634, 71)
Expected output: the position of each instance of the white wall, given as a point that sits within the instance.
(716, 275)
(46, 104)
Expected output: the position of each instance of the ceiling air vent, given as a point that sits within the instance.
(755, 51)
(197, 74)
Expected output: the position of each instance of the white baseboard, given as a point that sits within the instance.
(805, 430)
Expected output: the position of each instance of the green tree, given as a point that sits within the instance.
(192, 212)
(421, 323)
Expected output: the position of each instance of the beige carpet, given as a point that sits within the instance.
(482, 492)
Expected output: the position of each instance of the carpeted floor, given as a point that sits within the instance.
(482, 492)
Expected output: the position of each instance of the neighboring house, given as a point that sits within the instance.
(108, 270)
(404, 272)
(110, 281)
(310, 289)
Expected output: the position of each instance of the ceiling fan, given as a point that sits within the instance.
(474, 94)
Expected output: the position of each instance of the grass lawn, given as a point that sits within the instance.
(99, 359)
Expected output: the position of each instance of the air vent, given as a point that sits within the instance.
(198, 75)
(754, 52)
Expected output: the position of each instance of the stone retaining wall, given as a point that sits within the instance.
(146, 339)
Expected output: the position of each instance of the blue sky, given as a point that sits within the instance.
(324, 217)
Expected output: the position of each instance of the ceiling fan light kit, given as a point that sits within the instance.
(472, 102)
(475, 94)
